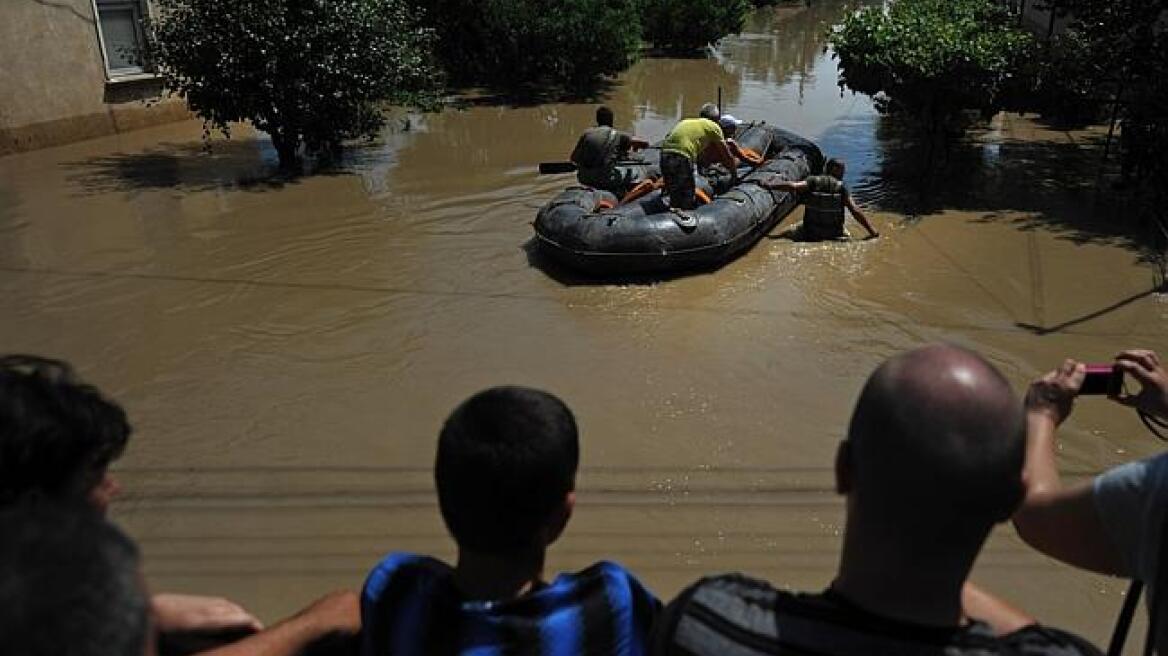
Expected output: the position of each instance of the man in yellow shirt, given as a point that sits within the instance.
(691, 141)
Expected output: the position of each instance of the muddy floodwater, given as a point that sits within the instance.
(288, 350)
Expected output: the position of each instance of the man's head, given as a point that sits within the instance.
(935, 447)
(835, 168)
(69, 584)
(506, 470)
(710, 111)
(57, 434)
(604, 116)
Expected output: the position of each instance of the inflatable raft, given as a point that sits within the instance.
(595, 232)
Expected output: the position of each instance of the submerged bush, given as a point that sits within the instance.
(525, 43)
(681, 25)
(304, 71)
(934, 59)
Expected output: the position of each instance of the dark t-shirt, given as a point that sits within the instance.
(733, 615)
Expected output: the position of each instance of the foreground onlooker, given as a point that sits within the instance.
(505, 472)
(933, 460)
(69, 585)
(1115, 523)
(58, 437)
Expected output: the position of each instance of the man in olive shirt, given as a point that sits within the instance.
(824, 200)
(690, 140)
(598, 151)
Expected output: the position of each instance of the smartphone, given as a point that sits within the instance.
(1102, 379)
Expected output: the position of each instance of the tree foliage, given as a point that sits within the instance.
(685, 25)
(304, 71)
(523, 43)
(933, 59)
(1122, 56)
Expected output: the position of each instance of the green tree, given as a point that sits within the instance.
(523, 44)
(686, 25)
(934, 60)
(304, 71)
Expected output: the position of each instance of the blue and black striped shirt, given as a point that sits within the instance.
(410, 606)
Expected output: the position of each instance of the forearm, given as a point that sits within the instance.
(287, 638)
(1057, 520)
(1000, 615)
(1041, 470)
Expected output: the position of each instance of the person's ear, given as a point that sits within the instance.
(104, 492)
(843, 468)
(559, 519)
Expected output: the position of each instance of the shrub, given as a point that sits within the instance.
(304, 71)
(681, 25)
(524, 43)
(933, 59)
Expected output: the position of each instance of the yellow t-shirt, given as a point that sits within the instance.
(691, 136)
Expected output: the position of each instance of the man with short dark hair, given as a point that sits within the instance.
(69, 585)
(932, 461)
(824, 198)
(506, 476)
(599, 149)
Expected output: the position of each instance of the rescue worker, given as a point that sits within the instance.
(824, 198)
(691, 140)
(598, 151)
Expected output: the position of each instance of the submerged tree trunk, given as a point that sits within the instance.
(287, 144)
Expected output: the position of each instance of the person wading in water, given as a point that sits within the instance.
(825, 200)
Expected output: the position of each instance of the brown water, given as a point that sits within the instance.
(288, 350)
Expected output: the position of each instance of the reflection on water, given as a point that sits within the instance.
(288, 348)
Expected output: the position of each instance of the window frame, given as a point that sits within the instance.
(141, 11)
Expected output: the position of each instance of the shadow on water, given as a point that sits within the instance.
(185, 167)
(465, 98)
(246, 164)
(1055, 181)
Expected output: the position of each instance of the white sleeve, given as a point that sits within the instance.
(1131, 500)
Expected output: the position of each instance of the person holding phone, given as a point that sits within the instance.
(1114, 523)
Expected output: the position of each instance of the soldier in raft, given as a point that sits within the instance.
(825, 198)
(598, 151)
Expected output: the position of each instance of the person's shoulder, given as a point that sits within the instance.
(399, 567)
(612, 574)
(1039, 640)
(728, 610)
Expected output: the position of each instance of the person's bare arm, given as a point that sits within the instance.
(1061, 522)
(335, 613)
(1003, 618)
(724, 157)
(180, 613)
(859, 216)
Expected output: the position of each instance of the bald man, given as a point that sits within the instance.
(932, 462)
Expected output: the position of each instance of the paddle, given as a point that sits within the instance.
(551, 168)
(546, 168)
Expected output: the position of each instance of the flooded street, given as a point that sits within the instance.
(288, 350)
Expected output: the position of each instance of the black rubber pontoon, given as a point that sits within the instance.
(585, 229)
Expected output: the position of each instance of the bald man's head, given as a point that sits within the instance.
(937, 440)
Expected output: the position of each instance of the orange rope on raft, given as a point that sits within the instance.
(747, 155)
(643, 187)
